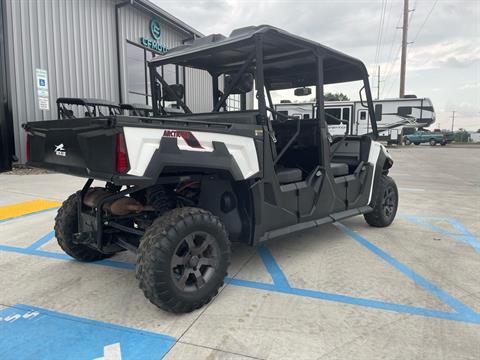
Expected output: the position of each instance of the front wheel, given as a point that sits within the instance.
(384, 203)
(183, 259)
(443, 143)
(433, 142)
(408, 142)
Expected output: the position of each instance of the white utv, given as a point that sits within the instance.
(181, 186)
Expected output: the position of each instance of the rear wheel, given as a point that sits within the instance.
(443, 143)
(416, 143)
(66, 224)
(433, 142)
(384, 203)
(183, 259)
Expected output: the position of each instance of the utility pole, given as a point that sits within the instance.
(453, 118)
(404, 48)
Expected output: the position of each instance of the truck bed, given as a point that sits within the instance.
(87, 147)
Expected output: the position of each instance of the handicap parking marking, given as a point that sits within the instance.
(462, 234)
(34, 333)
(461, 312)
(26, 208)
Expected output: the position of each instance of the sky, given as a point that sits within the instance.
(443, 58)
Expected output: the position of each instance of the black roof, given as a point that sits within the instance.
(289, 60)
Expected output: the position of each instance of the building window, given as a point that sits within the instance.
(346, 114)
(138, 75)
(363, 115)
(138, 87)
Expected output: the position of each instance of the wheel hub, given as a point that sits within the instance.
(194, 261)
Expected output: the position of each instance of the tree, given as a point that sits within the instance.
(336, 97)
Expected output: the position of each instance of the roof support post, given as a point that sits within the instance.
(324, 147)
(371, 111)
(259, 77)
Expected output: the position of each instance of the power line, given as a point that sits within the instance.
(380, 31)
(425, 21)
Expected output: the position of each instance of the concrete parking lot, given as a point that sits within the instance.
(341, 291)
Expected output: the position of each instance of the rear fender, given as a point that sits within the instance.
(229, 201)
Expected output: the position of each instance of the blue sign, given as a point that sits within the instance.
(155, 29)
(41, 82)
(33, 333)
(154, 44)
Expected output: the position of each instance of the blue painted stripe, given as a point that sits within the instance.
(420, 280)
(42, 241)
(466, 236)
(406, 309)
(91, 322)
(274, 270)
(471, 318)
(27, 215)
(60, 256)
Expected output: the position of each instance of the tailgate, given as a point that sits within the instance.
(82, 147)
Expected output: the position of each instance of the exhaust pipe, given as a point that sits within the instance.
(122, 206)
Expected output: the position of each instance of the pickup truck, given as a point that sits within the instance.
(433, 138)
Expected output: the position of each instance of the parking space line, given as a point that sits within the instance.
(420, 280)
(27, 215)
(466, 236)
(462, 312)
(351, 300)
(13, 211)
(278, 277)
(42, 241)
(60, 256)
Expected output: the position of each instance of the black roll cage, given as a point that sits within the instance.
(254, 63)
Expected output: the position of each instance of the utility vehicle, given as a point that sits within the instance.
(180, 187)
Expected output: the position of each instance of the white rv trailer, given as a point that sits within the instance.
(351, 117)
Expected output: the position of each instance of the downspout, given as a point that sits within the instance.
(117, 35)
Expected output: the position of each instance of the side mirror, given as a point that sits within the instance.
(177, 89)
(303, 91)
(244, 85)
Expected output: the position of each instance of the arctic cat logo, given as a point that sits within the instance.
(187, 136)
(60, 150)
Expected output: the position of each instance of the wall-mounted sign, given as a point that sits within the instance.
(153, 43)
(155, 29)
(42, 89)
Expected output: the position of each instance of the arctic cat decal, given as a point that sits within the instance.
(189, 138)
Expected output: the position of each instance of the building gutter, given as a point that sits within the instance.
(117, 35)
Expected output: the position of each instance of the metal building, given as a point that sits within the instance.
(87, 49)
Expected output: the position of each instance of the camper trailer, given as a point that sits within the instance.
(398, 116)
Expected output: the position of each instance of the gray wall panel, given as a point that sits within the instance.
(75, 41)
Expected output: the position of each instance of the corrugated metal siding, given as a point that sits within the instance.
(74, 40)
(133, 25)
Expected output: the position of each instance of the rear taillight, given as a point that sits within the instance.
(121, 155)
(28, 147)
